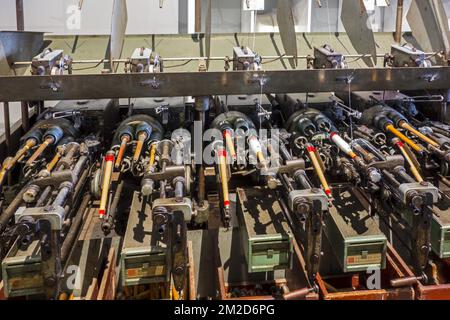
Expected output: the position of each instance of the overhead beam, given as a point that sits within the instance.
(101, 86)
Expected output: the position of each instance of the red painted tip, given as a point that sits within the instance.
(227, 133)
(226, 203)
(332, 135)
(223, 153)
(311, 149)
(400, 144)
(328, 192)
(109, 158)
(101, 213)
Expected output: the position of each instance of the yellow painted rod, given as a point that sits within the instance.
(222, 154)
(140, 144)
(109, 161)
(413, 168)
(152, 154)
(40, 150)
(312, 155)
(419, 134)
(123, 148)
(404, 138)
(54, 161)
(230, 144)
(28, 145)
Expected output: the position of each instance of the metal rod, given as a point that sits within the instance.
(25, 116)
(398, 28)
(108, 224)
(7, 123)
(412, 167)
(11, 210)
(217, 58)
(19, 15)
(405, 139)
(419, 134)
(198, 16)
(71, 235)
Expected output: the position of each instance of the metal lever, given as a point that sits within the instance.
(408, 281)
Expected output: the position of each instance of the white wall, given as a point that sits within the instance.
(60, 16)
(145, 16)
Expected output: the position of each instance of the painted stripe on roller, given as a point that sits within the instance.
(222, 153)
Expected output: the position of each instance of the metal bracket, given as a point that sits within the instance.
(172, 204)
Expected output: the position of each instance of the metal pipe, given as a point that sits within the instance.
(81, 182)
(79, 166)
(179, 189)
(43, 196)
(391, 178)
(180, 59)
(301, 180)
(402, 174)
(62, 195)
